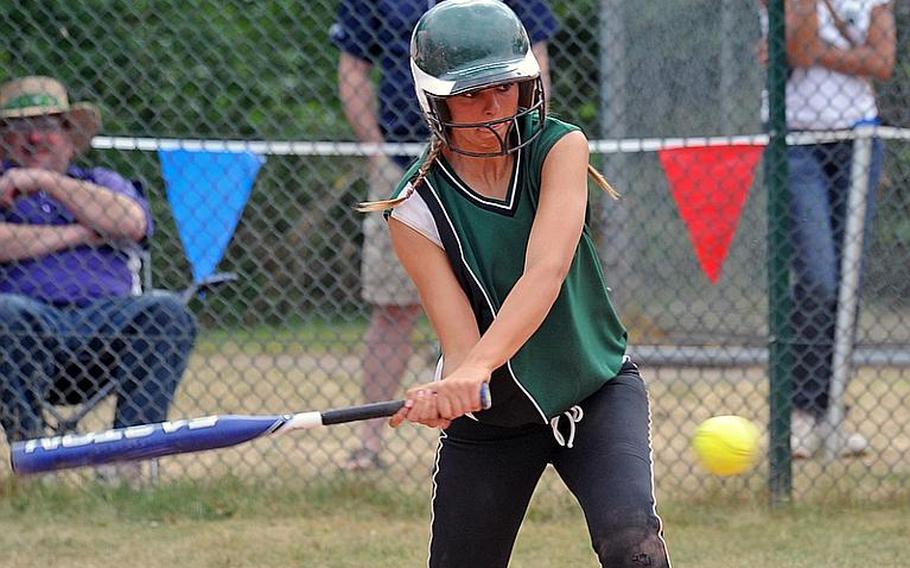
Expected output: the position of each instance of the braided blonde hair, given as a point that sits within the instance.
(601, 181)
(435, 148)
(432, 154)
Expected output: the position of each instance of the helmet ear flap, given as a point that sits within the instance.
(437, 114)
(440, 108)
(530, 93)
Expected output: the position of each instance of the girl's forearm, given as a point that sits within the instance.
(522, 313)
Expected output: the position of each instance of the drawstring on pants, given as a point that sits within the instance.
(574, 414)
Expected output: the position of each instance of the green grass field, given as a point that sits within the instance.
(231, 524)
(216, 509)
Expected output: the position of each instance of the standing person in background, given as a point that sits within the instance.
(372, 34)
(835, 48)
(491, 224)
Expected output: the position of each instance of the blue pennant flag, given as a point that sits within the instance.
(207, 192)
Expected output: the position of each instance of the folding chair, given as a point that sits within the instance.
(88, 374)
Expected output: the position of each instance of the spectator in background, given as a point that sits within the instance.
(835, 48)
(377, 34)
(70, 319)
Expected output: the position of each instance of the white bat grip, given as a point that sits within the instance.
(301, 421)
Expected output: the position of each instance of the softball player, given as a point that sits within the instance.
(491, 225)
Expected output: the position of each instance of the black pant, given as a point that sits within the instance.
(485, 476)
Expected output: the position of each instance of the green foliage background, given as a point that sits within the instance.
(266, 70)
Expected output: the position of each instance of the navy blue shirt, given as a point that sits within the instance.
(379, 31)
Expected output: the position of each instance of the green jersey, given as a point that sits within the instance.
(581, 343)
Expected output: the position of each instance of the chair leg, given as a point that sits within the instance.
(91, 403)
(153, 471)
(66, 425)
(60, 427)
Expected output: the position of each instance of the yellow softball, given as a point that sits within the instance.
(727, 445)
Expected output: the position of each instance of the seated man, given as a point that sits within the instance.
(70, 319)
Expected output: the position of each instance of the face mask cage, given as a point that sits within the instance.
(530, 101)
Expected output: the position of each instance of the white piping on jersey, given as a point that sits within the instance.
(513, 191)
(486, 297)
(574, 414)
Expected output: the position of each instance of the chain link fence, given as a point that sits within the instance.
(669, 92)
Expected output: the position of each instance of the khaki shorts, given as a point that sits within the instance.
(383, 279)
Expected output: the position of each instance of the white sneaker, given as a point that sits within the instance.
(854, 444)
(807, 436)
(850, 444)
(804, 436)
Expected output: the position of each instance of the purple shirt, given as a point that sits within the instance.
(78, 275)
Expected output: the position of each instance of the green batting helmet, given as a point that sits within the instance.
(460, 46)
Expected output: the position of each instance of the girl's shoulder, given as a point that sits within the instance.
(555, 123)
(555, 128)
(552, 132)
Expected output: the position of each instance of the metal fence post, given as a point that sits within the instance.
(848, 290)
(779, 367)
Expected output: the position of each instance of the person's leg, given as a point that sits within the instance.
(28, 339)
(610, 471)
(388, 350)
(814, 269)
(151, 337)
(482, 484)
(395, 310)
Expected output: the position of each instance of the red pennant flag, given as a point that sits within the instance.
(710, 185)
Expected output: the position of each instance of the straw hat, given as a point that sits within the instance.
(38, 96)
